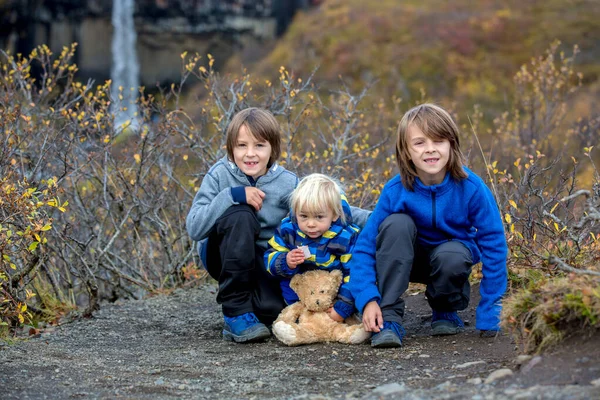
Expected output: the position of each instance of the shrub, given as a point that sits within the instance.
(106, 204)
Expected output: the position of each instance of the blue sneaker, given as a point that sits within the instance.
(244, 328)
(446, 323)
(390, 336)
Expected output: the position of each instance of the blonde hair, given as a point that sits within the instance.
(317, 193)
(261, 124)
(435, 123)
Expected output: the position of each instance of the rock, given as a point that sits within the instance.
(532, 363)
(497, 375)
(595, 382)
(475, 381)
(522, 359)
(390, 388)
(468, 364)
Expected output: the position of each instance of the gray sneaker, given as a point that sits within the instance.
(388, 337)
(444, 328)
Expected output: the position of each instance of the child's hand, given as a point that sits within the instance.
(334, 315)
(254, 197)
(294, 258)
(372, 318)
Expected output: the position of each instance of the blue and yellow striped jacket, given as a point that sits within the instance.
(331, 251)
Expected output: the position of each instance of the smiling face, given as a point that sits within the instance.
(314, 225)
(251, 155)
(430, 156)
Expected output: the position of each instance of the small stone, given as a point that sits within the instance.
(475, 381)
(532, 363)
(390, 388)
(523, 358)
(159, 381)
(498, 374)
(595, 382)
(424, 356)
(468, 364)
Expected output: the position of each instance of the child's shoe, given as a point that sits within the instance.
(390, 336)
(446, 323)
(244, 328)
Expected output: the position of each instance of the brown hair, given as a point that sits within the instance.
(435, 123)
(261, 124)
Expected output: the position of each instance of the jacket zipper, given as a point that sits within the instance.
(433, 210)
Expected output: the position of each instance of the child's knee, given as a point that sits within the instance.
(397, 224)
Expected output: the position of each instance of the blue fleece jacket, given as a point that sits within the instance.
(331, 251)
(462, 210)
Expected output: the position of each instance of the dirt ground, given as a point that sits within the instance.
(171, 347)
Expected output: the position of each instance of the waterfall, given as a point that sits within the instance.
(125, 66)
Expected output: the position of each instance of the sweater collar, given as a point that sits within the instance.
(443, 187)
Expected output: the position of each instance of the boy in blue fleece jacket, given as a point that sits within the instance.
(432, 222)
(318, 234)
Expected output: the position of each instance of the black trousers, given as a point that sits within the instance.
(235, 261)
(445, 269)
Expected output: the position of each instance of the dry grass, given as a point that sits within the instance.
(546, 312)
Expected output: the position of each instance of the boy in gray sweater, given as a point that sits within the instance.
(241, 201)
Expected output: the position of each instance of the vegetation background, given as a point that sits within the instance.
(93, 212)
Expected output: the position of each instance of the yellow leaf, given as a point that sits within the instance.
(21, 319)
(553, 208)
(24, 308)
(46, 227)
(513, 204)
(507, 218)
(556, 227)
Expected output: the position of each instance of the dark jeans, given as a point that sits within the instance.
(236, 262)
(445, 269)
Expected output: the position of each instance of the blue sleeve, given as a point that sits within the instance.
(344, 305)
(275, 256)
(491, 241)
(238, 194)
(363, 285)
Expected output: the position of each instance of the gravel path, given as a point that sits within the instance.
(171, 347)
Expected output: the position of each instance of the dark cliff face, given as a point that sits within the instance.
(16, 15)
(165, 28)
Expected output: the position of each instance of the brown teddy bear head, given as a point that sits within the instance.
(317, 289)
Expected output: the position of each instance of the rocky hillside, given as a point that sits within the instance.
(461, 51)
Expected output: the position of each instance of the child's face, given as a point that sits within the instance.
(430, 156)
(314, 225)
(251, 155)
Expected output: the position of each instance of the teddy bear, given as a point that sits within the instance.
(307, 321)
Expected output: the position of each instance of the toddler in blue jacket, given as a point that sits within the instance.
(318, 234)
(432, 222)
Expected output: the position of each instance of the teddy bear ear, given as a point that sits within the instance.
(337, 275)
(295, 282)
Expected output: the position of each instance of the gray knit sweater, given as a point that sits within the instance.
(214, 198)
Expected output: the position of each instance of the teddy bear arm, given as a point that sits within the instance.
(350, 334)
(291, 313)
